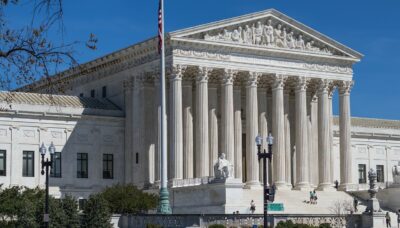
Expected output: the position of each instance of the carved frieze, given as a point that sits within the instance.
(268, 33)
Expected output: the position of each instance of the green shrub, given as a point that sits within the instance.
(153, 226)
(216, 226)
(97, 212)
(128, 199)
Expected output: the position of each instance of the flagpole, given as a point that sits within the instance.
(164, 206)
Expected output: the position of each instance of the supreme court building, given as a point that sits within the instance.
(228, 81)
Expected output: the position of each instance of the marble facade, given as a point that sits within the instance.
(228, 82)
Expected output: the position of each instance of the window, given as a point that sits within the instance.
(92, 93)
(82, 168)
(81, 204)
(108, 166)
(28, 164)
(55, 170)
(137, 158)
(3, 157)
(104, 92)
(362, 173)
(380, 175)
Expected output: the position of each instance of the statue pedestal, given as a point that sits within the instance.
(220, 196)
(374, 220)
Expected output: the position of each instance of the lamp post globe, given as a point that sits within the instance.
(52, 148)
(42, 149)
(270, 139)
(259, 140)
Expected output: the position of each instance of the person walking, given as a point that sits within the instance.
(355, 203)
(311, 197)
(315, 197)
(398, 219)
(388, 220)
(252, 206)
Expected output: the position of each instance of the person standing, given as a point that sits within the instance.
(315, 197)
(388, 220)
(311, 197)
(398, 218)
(252, 206)
(355, 202)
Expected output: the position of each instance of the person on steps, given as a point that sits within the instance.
(252, 206)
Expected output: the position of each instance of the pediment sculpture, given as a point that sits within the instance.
(396, 174)
(223, 169)
(268, 34)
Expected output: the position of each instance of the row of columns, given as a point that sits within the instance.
(192, 150)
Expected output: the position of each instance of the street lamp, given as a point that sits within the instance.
(45, 165)
(269, 194)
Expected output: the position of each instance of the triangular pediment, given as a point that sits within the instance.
(268, 29)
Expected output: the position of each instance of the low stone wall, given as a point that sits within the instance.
(243, 220)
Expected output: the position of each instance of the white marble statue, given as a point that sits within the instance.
(258, 33)
(236, 36)
(269, 33)
(396, 174)
(248, 35)
(223, 168)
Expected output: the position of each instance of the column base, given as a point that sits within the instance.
(253, 185)
(347, 187)
(302, 186)
(328, 187)
(281, 185)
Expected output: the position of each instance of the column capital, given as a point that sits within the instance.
(177, 72)
(128, 84)
(138, 80)
(229, 76)
(279, 81)
(302, 84)
(345, 87)
(324, 85)
(202, 76)
(253, 79)
(331, 90)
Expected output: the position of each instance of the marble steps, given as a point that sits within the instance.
(295, 201)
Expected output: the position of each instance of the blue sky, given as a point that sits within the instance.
(369, 27)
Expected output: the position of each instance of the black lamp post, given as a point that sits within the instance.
(45, 165)
(269, 194)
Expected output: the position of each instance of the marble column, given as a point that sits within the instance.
(157, 157)
(314, 135)
(149, 133)
(252, 177)
(332, 155)
(238, 132)
(202, 146)
(325, 181)
(140, 164)
(213, 126)
(302, 162)
(128, 161)
(227, 116)
(262, 124)
(176, 145)
(288, 145)
(278, 132)
(187, 129)
(345, 135)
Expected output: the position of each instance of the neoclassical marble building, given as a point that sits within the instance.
(229, 81)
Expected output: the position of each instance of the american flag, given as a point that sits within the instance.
(160, 27)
